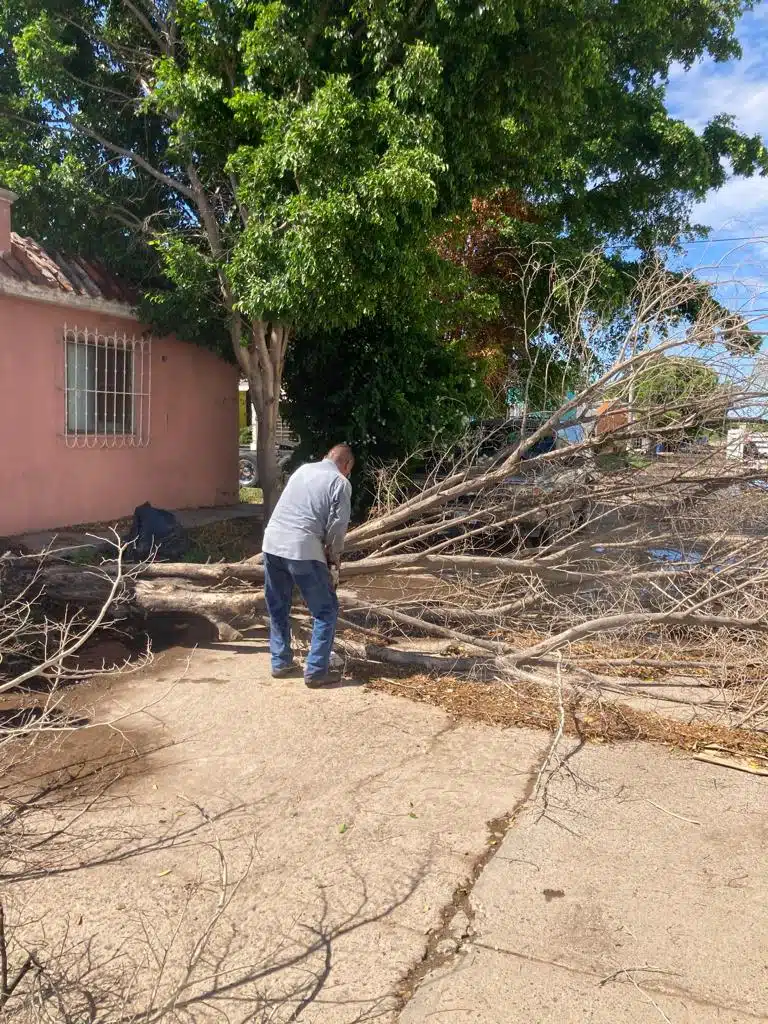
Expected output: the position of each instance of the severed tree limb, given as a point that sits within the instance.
(113, 590)
(247, 570)
(440, 665)
(443, 613)
(382, 611)
(610, 623)
(218, 607)
(218, 572)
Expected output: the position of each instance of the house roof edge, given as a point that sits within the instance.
(14, 288)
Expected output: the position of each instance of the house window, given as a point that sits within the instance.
(107, 389)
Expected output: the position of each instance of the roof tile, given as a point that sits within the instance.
(30, 263)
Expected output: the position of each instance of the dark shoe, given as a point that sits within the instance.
(323, 679)
(286, 671)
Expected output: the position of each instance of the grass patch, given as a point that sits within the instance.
(251, 496)
(86, 556)
(611, 462)
(228, 541)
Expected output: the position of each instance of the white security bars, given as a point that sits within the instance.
(107, 383)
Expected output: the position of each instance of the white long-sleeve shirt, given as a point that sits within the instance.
(311, 514)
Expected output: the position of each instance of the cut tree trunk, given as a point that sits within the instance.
(61, 588)
(220, 608)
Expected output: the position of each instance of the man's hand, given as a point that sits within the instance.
(333, 568)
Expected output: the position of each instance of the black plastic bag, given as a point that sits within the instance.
(155, 530)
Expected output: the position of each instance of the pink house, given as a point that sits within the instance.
(98, 415)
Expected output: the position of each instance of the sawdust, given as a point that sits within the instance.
(591, 718)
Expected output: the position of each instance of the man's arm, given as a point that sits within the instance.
(338, 520)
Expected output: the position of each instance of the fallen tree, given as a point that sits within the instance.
(524, 559)
(128, 594)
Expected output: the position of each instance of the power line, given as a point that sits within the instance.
(734, 238)
(698, 241)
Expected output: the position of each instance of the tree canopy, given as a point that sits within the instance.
(289, 163)
(667, 390)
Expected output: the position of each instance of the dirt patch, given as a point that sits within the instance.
(589, 718)
(11, 546)
(228, 540)
(105, 654)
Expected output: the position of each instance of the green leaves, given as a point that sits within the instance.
(343, 191)
(294, 159)
(272, 53)
(669, 388)
(40, 50)
(419, 77)
(747, 154)
(397, 386)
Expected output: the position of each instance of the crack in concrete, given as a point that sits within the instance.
(443, 944)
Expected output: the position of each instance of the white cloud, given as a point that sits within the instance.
(696, 96)
(739, 210)
(740, 207)
(737, 87)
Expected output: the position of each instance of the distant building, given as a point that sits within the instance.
(610, 417)
(747, 438)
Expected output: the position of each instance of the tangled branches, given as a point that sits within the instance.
(560, 538)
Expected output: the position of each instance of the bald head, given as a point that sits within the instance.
(341, 456)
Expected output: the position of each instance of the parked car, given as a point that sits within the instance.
(248, 468)
(533, 483)
(487, 438)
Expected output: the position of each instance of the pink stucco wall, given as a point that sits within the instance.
(191, 458)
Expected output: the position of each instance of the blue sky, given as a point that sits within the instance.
(740, 209)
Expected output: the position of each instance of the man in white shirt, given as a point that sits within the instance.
(303, 539)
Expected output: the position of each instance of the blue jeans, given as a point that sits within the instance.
(314, 582)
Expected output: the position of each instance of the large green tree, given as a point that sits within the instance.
(398, 387)
(288, 160)
(679, 390)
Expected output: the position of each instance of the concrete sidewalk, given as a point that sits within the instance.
(386, 863)
(638, 895)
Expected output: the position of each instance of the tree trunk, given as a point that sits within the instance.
(266, 452)
(259, 347)
(260, 352)
(63, 589)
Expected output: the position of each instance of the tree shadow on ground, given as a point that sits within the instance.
(216, 962)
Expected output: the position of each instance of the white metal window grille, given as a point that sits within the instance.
(107, 384)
